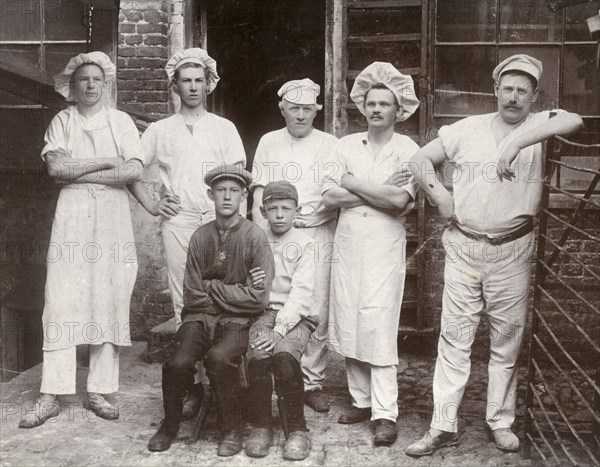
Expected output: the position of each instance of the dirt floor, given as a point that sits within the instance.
(77, 437)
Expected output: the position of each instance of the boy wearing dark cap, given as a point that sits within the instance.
(278, 338)
(221, 296)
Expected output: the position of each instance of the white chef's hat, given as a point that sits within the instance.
(402, 87)
(195, 55)
(301, 91)
(62, 81)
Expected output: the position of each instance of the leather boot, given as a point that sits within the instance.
(231, 442)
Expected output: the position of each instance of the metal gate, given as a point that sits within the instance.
(563, 385)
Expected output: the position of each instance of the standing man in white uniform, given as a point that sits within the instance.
(367, 278)
(300, 154)
(497, 191)
(186, 146)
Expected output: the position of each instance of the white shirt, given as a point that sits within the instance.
(293, 284)
(354, 155)
(184, 158)
(301, 161)
(481, 202)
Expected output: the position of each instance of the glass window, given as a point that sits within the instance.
(581, 80)
(576, 28)
(466, 21)
(529, 21)
(463, 80)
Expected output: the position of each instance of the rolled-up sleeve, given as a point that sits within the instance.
(130, 141)
(333, 170)
(55, 136)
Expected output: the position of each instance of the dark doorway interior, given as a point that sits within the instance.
(258, 46)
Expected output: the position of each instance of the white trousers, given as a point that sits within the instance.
(375, 387)
(59, 370)
(480, 276)
(176, 234)
(314, 358)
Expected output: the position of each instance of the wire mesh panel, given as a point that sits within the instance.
(563, 386)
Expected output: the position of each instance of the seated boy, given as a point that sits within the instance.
(220, 299)
(279, 336)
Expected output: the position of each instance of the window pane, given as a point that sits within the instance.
(575, 23)
(400, 54)
(21, 59)
(64, 20)
(20, 21)
(57, 56)
(466, 21)
(379, 21)
(463, 80)
(549, 56)
(581, 80)
(529, 21)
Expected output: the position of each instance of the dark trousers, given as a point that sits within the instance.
(221, 354)
(289, 387)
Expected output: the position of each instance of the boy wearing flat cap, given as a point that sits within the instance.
(278, 338)
(227, 282)
(300, 154)
(489, 244)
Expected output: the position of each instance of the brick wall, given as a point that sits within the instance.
(143, 51)
(142, 55)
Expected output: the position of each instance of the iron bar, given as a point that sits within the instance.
(576, 229)
(574, 167)
(567, 354)
(555, 363)
(571, 256)
(549, 419)
(579, 198)
(571, 289)
(571, 320)
(567, 421)
(544, 439)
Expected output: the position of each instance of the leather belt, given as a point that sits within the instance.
(509, 237)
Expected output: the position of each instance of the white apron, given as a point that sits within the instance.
(369, 264)
(92, 262)
(367, 285)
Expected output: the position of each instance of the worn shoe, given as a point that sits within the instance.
(162, 439)
(385, 432)
(355, 415)
(258, 443)
(316, 400)
(428, 444)
(44, 409)
(100, 406)
(297, 446)
(506, 440)
(193, 402)
(231, 442)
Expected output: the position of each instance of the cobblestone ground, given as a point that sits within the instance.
(78, 438)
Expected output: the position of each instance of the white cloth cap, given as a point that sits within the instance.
(301, 91)
(519, 62)
(62, 81)
(195, 55)
(402, 87)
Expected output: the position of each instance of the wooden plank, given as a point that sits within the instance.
(329, 116)
(358, 4)
(384, 38)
